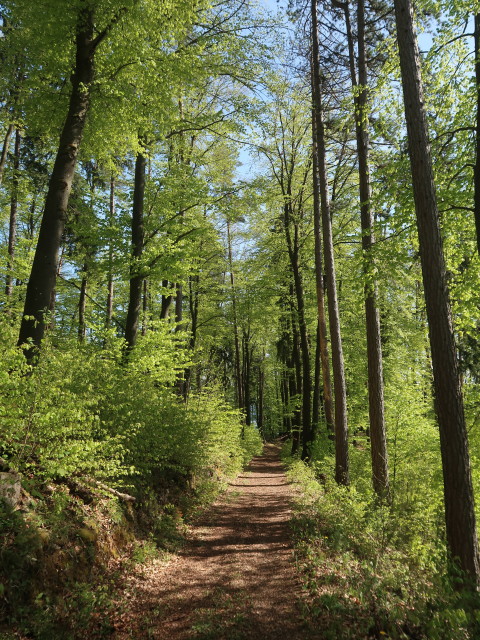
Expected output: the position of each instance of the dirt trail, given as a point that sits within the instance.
(235, 580)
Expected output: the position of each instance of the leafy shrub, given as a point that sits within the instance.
(374, 570)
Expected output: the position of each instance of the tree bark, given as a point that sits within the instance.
(179, 327)
(316, 381)
(166, 301)
(341, 426)
(376, 407)
(144, 306)
(260, 402)
(4, 154)
(193, 302)
(238, 372)
(296, 380)
(320, 287)
(138, 241)
(82, 305)
(476, 177)
(246, 377)
(178, 307)
(12, 231)
(45, 263)
(458, 491)
(293, 252)
(110, 291)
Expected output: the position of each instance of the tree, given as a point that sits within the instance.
(457, 481)
(45, 264)
(374, 346)
(138, 240)
(291, 171)
(341, 425)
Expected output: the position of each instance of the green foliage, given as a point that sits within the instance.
(81, 416)
(375, 570)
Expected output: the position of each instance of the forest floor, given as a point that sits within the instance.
(235, 578)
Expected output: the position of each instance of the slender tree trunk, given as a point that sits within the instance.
(31, 218)
(178, 307)
(317, 381)
(260, 403)
(12, 231)
(374, 346)
(322, 339)
(82, 305)
(458, 491)
(296, 389)
(341, 425)
(181, 388)
(246, 378)
(138, 241)
(144, 306)
(193, 301)
(286, 387)
(45, 263)
(4, 154)
(477, 131)
(293, 251)
(110, 291)
(238, 372)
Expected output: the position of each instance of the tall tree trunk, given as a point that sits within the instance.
(238, 371)
(110, 291)
(322, 339)
(341, 425)
(458, 491)
(138, 241)
(45, 263)
(374, 346)
(477, 131)
(293, 251)
(12, 231)
(4, 154)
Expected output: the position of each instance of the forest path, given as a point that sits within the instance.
(235, 580)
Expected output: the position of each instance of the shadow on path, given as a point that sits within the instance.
(235, 579)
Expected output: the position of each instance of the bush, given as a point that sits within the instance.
(374, 570)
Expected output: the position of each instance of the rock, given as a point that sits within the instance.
(10, 488)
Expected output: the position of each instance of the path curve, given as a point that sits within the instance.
(235, 580)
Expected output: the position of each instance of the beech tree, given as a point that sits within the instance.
(92, 28)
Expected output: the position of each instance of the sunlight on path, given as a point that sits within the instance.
(235, 580)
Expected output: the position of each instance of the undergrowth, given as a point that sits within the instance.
(77, 428)
(368, 570)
